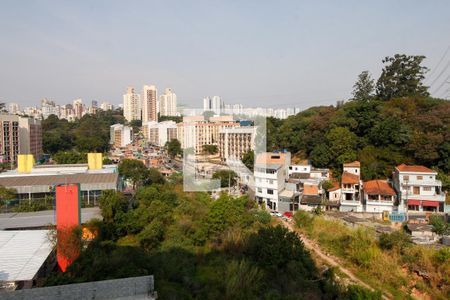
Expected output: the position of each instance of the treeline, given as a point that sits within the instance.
(70, 140)
(385, 124)
(198, 248)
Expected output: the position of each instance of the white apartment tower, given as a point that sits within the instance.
(214, 104)
(149, 104)
(168, 103)
(131, 105)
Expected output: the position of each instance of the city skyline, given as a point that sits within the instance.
(257, 54)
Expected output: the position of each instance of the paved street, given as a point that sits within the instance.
(41, 218)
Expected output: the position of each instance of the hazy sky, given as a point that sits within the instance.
(258, 53)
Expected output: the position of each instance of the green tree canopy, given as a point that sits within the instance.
(210, 149)
(402, 76)
(173, 148)
(364, 87)
(133, 170)
(112, 203)
(227, 177)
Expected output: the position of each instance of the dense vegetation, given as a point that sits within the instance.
(90, 133)
(200, 249)
(391, 263)
(397, 124)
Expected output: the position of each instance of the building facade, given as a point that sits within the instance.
(120, 135)
(19, 135)
(149, 103)
(235, 142)
(378, 196)
(418, 189)
(168, 103)
(271, 172)
(131, 105)
(160, 133)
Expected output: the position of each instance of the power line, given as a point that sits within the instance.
(440, 61)
(446, 81)
(440, 74)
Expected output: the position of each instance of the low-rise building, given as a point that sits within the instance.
(271, 172)
(350, 190)
(378, 196)
(418, 189)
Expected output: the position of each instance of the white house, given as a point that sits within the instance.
(418, 189)
(378, 196)
(271, 173)
(350, 193)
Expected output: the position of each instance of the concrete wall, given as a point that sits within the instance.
(107, 289)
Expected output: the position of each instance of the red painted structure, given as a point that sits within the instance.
(68, 218)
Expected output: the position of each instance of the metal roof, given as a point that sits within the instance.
(35, 183)
(22, 253)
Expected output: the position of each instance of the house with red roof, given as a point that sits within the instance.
(378, 196)
(349, 191)
(417, 189)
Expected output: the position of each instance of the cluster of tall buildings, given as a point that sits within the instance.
(147, 105)
(72, 111)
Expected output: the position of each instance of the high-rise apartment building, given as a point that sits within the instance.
(149, 104)
(19, 135)
(168, 103)
(78, 108)
(48, 108)
(131, 105)
(13, 108)
(160, 133)
(214, 104)
(106, 106)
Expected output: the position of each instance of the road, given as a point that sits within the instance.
(41, 218)
(329, 259)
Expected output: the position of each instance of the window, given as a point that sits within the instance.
(419, 177)
(271, 181)
(259, 190)
(427, 188)
(405, 177)
(269, 191)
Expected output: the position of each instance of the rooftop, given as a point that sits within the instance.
(414, 168)
(378, 187)
(22, 253)
(353, 164)
(349, 178)
(271, 158)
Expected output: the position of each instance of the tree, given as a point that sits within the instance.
(112, 203)
(273, 248)
(153, 176)
(364, 87)
(248, 159)
(342, 144)
(69, 157)
(133, 170)
(210, 149)
(6, 194)
(136, 124)
(227, 177)
(402, 76)
(173, 148)
(439, 225)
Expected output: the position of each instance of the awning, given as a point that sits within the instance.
(414, 202)
(430, 203)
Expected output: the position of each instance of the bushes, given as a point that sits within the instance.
(303, 219)
(396, 240)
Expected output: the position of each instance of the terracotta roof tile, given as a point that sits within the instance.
(378, 187)
(353, 164)
(349, 178)
(413, 168)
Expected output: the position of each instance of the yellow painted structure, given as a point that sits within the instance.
(25, 163)
(95, 161)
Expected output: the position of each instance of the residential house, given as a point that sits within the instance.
(271, 173)
(418, 189)
(378, 196)
(350, 194)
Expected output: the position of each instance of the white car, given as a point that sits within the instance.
(278, 214)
